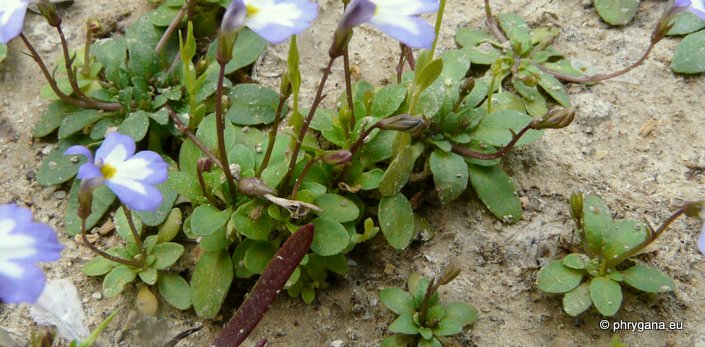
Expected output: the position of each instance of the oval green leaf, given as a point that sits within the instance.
(396, 219)
(554, 277)
(606, 294)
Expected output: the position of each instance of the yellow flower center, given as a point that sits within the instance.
(108, 171)
(252, 10)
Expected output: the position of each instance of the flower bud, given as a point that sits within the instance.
(338, 157)
(402, 122)
(466, 87)
(285, 86)
(254, 187)
(576, 205)
(557, 119)
(85, 196)
(48, 10)
(204, 165)
(357, 13)
(451, 271)
(233, 21)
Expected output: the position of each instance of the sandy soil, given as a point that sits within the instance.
(606, 152)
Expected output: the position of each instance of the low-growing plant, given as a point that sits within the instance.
(423, 320)
(603, 261)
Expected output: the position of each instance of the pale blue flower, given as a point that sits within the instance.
(701, 240)
(131, 176)
(274, 20)
(11, 18)
(23, 243)
(396, 18)
(695, 6)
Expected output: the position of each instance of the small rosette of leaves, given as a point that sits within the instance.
(596, 276)
(162, 254)
(441, 320)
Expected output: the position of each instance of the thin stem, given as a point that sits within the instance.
(172, 27)
(648, 240)
(209, 196)
(86, 69)
(360, 140)
(186, 131)
(490, 93)
(492, 23)
(307, 122)
(135, 233)
(220, 124)
(101, 252)
(348, 88)
(68, 63)
(272, 135)
(303, 174)
(432, 287)
(466, 152)
(600, 77)
(55, 88)
(402, 59)
(439, 22)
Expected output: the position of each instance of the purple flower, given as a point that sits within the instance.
(695, 6)
(131, 176)
(22, 244)
(274, 20)
(701, 240)
(11, 18)
(396, 18)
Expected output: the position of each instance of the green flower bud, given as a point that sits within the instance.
(576, 205)
(557, 119)
(402, 122)
(48, 10)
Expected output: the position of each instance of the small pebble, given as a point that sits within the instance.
(59, 195)
(97, 295)
(337, 343)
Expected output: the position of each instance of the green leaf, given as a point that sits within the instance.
(534, 102)
(206, 219)
(576, 261)
(387, 100)
(496, 190)
(98, 266)
(648, 279)
(577, 300)
(112, 54)
(370, 180)
(554, 277)
(430, 342)
(397, 340)
(516, 29)
(163, 15)
(253, 104)
(76, 121)
(457, 315)
(330, 237)
(685, 23)
(450, 175)
(606, 294)
(115, 281)
(58, 168)
(52, 117)
(456, 64)
(379, 148)
(135, 125)
(485, 54)
(399, 170)
(428, 75)
(167, 253)
(248, 47)
(398, 300)
(622, 236)
(337, 208)
(256, 229)
(141, 38)
(404, 324)
(617, 12)
(175, 290)
(168, 199)
(103, 198)
(258, 256)
(495, 128)
(689, 57)
(396, 219)
(210, 283)
(553, 87)
(148, 276)
(467, 37)
(597, 220)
